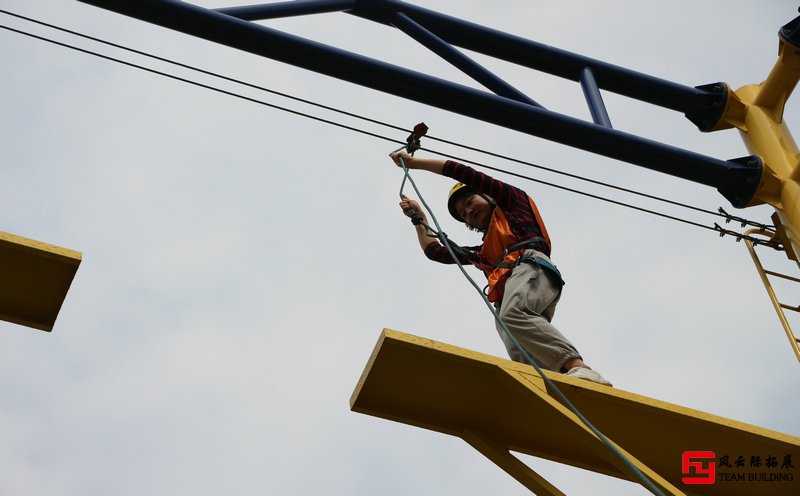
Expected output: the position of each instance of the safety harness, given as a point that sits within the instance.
(502, 250)
(494, 289)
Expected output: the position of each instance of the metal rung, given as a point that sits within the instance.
(782, 276)
(787, 307)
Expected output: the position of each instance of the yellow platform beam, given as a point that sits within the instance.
(498, 406)
(34, 280)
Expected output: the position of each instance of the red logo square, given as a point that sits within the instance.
(695, 471)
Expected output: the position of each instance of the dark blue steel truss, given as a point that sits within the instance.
(505, 106)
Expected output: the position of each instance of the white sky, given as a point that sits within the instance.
(240, 262)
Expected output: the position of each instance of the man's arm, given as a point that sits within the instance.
(504, 194)
(429, 164)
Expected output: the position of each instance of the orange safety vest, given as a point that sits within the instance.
(495, 262)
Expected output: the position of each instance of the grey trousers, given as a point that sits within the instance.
(527, 307)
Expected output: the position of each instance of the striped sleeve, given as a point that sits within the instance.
(439, 253)
(504, 194)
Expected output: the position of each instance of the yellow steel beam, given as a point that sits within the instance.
(34, 280)
(756, 110)
(498, 405)
(500, 455)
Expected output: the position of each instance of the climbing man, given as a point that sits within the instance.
(524, 285)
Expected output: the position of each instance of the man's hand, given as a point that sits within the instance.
(411, 208)
(408, 206)
(407, 159)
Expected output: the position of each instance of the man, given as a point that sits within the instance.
(524, 285)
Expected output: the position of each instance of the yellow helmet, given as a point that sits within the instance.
(458, 191)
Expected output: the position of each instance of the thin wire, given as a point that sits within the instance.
(381, 123)
(204, 71)
(578, 192)
(351, 128)
(205, 86)
(579, 177)
(528, 358)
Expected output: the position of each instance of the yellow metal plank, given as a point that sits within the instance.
(452, 390)
(34, 280)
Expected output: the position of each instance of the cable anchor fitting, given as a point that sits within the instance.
(412, 142)
(739, 237)
(744, 222)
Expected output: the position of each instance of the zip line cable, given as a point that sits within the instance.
(438, 233)
(579, 192)
(720, 213)
(716, 227)
(201, 85)
(206, 72)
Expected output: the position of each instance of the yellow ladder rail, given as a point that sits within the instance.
(779, 307)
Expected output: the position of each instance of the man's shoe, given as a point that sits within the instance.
(588, 375)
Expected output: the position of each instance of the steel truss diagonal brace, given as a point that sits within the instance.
(458, 59)
(501, 457)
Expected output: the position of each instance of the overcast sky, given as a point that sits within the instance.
(240, 262)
